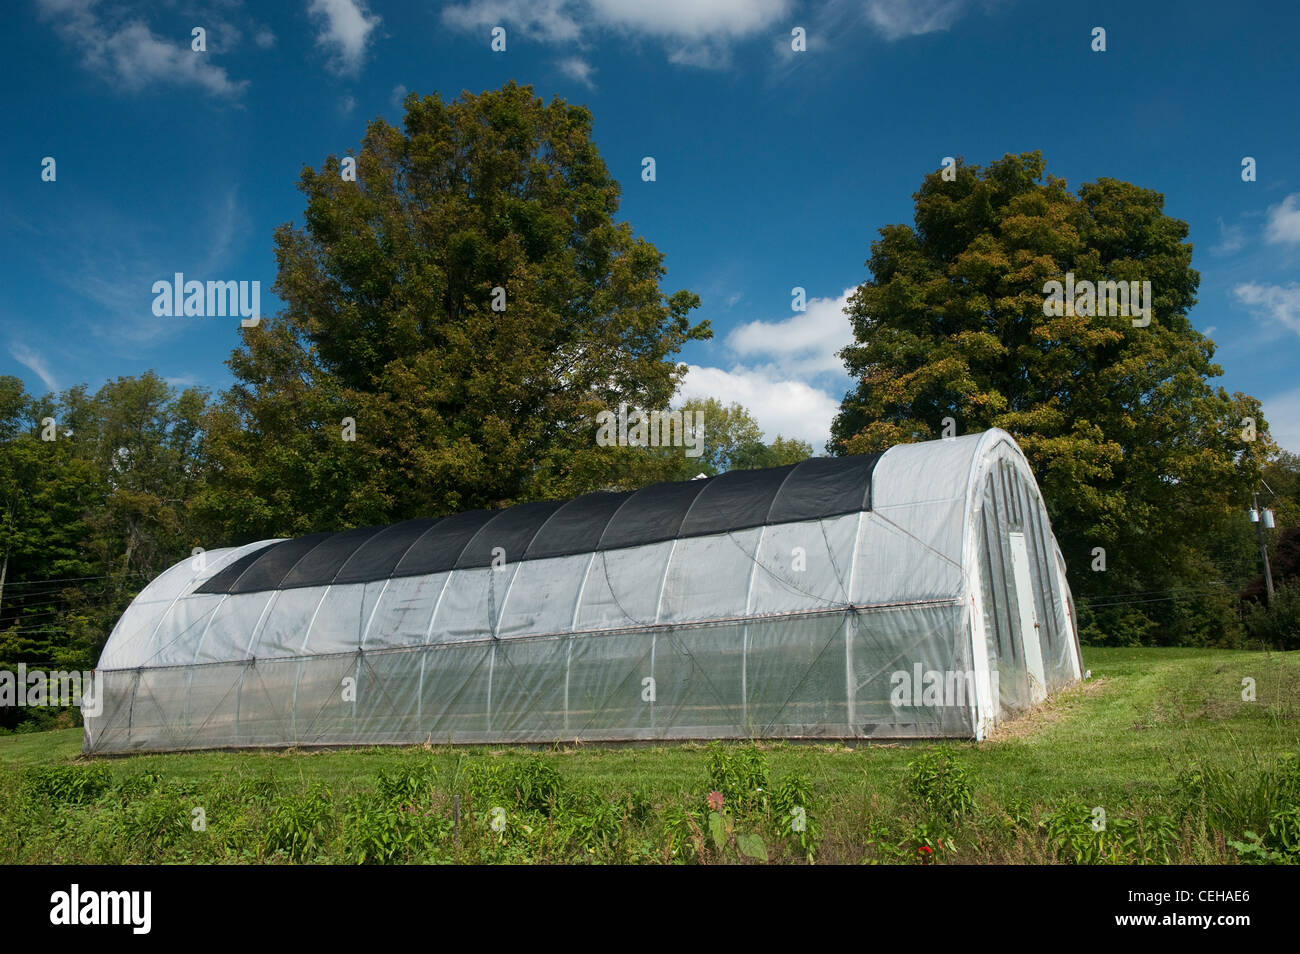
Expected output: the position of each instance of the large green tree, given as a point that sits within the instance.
(469, 300)
(1135, 450)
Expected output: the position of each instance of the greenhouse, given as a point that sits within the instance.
(917, 592)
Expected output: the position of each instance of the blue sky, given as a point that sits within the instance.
(774, 168)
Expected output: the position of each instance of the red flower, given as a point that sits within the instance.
(715, 801)
(925, 849)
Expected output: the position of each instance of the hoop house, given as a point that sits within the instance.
(914, 593)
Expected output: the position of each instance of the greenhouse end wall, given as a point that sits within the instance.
(852, 625)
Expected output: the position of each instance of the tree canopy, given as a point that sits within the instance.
(469, 302)
(1137, 453)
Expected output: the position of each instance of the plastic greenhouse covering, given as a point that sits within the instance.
(913, 593)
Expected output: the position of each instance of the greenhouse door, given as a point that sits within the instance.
(1028, 616)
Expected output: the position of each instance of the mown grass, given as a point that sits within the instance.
(1159, 740)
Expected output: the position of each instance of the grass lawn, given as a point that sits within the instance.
(1161, 740)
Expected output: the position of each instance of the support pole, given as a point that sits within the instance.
(1263, 552)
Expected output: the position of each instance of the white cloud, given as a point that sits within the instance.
(555, 21)
(895, 19)
(1278, 302)
(691, 18)
(130, 55)
(35, 363)
(399, 94)
(786, 373)
(345, 29)
(578, 69)
(1282, 411)
(803, 344)
(264, 39)
(782, 406)
(1284, 221)
(347, 104)
(696, 32)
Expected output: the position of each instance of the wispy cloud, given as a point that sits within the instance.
(34, 362)
(553, 21)
(1284, 221)
(107, 264)
(693, 32)
(578, 69)
(129, 54)
(1281, 303)
(344, 30)
(1232, 238)
(896, 19)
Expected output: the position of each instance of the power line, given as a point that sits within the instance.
(72, 579)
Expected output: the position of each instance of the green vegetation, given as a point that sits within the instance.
(1137, 453)
(1161, 741)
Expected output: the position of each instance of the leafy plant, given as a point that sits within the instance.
(927, 844)
(299, 824)
(67, 784)
(412, 786)
(385, 829)
(683, 834)
(532, 785)
(939, 781)
(158, 821)
(1080, 836)
(791, 804)
(738, 772)
(1280, 845)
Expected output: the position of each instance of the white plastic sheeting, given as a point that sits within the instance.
(898, 621)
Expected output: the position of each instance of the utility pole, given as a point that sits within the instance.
(1263, 550)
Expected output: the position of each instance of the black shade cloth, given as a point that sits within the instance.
(651, 514)
(822, 486)
(323, 563)
(511, 530)
(577, 526)
(378, 557)
(737, 500)
(439, 547)
(223, 580)
(274, 563)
